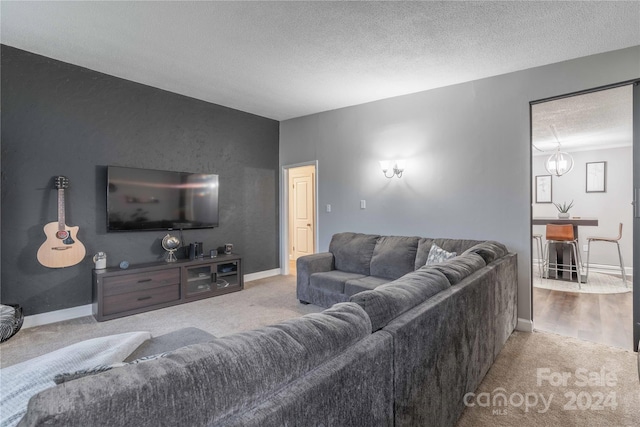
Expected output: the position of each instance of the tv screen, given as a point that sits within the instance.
(145, 199)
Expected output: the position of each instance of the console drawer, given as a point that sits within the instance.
(122, 302)
(134, 282)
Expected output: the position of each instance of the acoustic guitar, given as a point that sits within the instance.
(62, 247)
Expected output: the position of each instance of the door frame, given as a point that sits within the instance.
(284, 210)
(636, 213)
(636, 178)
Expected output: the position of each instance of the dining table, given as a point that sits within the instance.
(566, 252)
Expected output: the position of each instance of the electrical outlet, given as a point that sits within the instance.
(585, 248)
(328, 208)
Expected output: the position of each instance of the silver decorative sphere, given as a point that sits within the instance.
(170, 244)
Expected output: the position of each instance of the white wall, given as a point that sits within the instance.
(469, 152)
(611, 207)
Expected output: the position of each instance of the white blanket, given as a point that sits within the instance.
(21, 381)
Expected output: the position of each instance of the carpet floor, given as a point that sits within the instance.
(262, 302)
(526, 359)
(551, 380)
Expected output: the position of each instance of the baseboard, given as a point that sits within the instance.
(87, 310)
(261, 274)
(524, 325)
(57, 316)
(610, 269)
(599, 268)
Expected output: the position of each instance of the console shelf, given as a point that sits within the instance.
(145, 287)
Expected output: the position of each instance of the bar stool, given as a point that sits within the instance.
(563, 234)
(615, 240)
(541, 262)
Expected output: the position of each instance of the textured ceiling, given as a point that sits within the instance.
(595, 120)
(289, 59)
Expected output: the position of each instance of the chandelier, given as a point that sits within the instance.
(560, 162)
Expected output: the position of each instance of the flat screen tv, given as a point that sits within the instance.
(146, 199)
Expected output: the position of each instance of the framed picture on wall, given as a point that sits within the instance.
(543, 189)
(596, 177)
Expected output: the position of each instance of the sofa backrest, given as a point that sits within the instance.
(394, 256)
(352, 389)
(391, 257)
(386, 302)
(458, 268)
(489, 250)
(198, 384)
(352, 252)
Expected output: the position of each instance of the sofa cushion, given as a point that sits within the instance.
(352, 252)
(438, 255)
(390, 300)
(450, 245)
(332, 281)
(394, 256)
(367, 283)
(456, 269)
(489, 250)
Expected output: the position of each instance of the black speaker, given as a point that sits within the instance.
(199, 250)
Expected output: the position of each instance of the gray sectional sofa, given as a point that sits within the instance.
(403, 352)
(448, 320)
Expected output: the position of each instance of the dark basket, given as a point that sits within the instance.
(10, 324)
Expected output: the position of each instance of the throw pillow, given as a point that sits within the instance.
(437, 255)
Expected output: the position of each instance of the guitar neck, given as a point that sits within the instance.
(61, 218)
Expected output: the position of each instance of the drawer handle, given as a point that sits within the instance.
(144, 280)
(144, 298)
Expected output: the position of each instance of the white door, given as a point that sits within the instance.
(301, 211)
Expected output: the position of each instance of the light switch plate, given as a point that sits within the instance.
(363, 204)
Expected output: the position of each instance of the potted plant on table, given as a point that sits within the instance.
(563, 209)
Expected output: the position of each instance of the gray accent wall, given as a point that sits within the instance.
(61, 119)
(468, 154)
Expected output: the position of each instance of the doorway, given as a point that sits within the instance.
(591, 129)
(299, 214)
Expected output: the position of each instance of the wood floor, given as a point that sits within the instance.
(602, 318)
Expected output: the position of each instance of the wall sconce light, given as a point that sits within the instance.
(397, 168)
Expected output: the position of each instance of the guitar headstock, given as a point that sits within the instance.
(61, 182)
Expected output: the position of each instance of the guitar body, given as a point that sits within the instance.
(61, 249)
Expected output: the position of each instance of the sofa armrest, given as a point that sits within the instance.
(306, 266)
